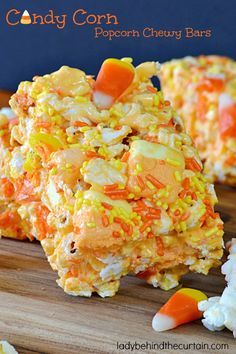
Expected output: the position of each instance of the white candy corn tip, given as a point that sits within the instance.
(102, 100)
(162, 322)
(25, 13)
(6, 348)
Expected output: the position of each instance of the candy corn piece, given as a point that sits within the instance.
(181, 308)
(114, 77)
(6, 348)
(25, 18)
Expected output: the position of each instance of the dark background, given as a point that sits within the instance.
(36, 49)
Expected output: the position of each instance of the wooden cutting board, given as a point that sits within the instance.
(37, 317)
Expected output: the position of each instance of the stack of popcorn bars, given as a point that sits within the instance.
(107, 192)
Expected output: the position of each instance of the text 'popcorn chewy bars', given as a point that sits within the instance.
(203, 90)
(109, 180)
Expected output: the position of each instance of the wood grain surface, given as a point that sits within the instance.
(37, 317)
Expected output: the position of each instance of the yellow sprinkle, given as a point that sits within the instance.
(135, 138)
(178, 176)
(173, 162)
(139, 167)
(91, 224)
(2, 132)
(53, 170)
(69, 165)
(156, 100)
(81, 99)
(70, 139)
(150, 185)
(84, 129)
(50, 111)
(159, 203)
(178, 143)
(183, 226)
(131, 196)
(152, 128)
(137, 189)
(211, 232)
(69, 207)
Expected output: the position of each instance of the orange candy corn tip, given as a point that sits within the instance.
(181, 308)
(114, 77)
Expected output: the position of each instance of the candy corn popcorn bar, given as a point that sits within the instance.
(114, 179)
(203, 90)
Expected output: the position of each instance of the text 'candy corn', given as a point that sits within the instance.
(114, 77)
(25, 18)
(181, 308)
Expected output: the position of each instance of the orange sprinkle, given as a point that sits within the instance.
(125, 227)
(182, 194)
(150, 235)
(116, 234)
(105, 220)
(177, 212)
(151, 139)
(220, 227)
(185, 216)
(155, 211)
(145, 225)
(154, 181)
(138, 210)
(207, 201)
(160, 246)
(152, 217)
(140, 182)
(80, 124)
(141, 204)
(151, 89)
(130, 231)
(45, 125)
(186, 183)
(91, 154)
(167, 103)
(194, 196)
(125, 157)
(107, 206)
(117, 220)
(135, 221)
(110, 187)
(117, 194)
(162, 162)
(193, 165)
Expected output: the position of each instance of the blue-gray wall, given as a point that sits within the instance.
(34, 49)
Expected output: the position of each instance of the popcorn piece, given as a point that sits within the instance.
(220, 311)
